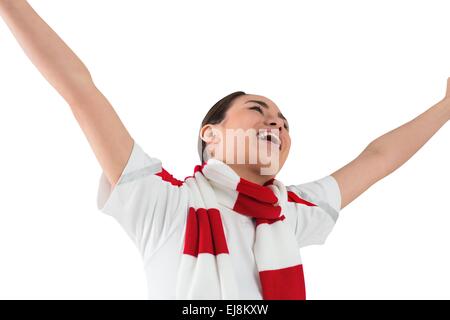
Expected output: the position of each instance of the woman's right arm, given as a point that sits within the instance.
(105, 132)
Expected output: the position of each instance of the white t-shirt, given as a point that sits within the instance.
(151, 206)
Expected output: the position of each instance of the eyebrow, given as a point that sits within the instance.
(280, 115)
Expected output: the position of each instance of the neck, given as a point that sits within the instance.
(250, 173)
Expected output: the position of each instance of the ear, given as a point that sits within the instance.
(208, 133)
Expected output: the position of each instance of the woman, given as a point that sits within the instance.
(230, 230)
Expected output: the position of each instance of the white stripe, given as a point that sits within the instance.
(184, 276)
(205, 279)
(220, 172)
(195, 198)
(206, 191)
(275, 247)
(226, 197)
(227, 278)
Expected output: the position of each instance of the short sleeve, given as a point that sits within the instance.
(148, 207)
(316, 207)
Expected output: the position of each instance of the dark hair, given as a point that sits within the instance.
(215, 115)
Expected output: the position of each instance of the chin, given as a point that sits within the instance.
(268, 168)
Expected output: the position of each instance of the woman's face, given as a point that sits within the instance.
(243, 136)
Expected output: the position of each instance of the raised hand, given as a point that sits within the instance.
(108, 137)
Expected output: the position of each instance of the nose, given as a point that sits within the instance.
(275, 122)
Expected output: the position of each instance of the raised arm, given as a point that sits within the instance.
(106, 134)
(391, 150)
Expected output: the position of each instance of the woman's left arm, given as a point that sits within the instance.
(391, 150)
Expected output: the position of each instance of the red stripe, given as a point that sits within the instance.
(197, 168)
(205, 242)
(256, 209)
(283, 284)
(268, 221)
(191, 236)
(166, 176)
(204, 232)
(220, 242)
(292, 197)
(256, 191)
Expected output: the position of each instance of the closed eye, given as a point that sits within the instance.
(260, 110)
(257, 108)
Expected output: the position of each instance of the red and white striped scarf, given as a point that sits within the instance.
(205, 270)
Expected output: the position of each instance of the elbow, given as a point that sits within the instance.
(381, 164)
(78, 89)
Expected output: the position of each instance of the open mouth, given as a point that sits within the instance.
(270, 137)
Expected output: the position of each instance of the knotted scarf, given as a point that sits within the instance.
(205, 270)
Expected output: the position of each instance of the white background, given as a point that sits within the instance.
(343, 73)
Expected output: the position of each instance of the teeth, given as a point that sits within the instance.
(275, 139)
